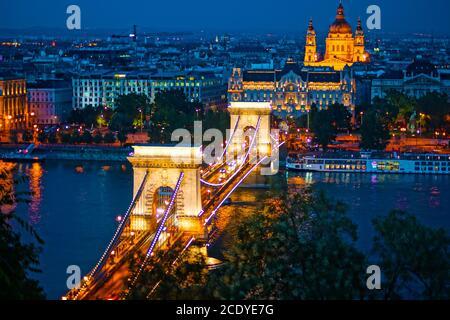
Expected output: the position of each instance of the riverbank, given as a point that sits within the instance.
(66, 152)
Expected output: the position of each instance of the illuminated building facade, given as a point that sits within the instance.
(342, 48)
(50, 101)
(418, 79)
(102, 89)
(13, 104)
(292, 89)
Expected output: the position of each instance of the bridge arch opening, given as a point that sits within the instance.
(249, 132)
(161, 200)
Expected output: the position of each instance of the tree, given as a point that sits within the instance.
(340, 117)
(98, 138)
(13, 138)
(171, 110)
(17, 260)
(415, 259)
(172, 275)
(65, 137)
(130, 111)
(122, 137)
(52, 137)
(374, 131)
(323, 128)
(298, 247)
(86, 137)
(42, 136)
(397, 105)
(109, 138)
(121, 121)
(437, 107)
(75, 137)
(87, 116)
(27, 136)
(219, 119)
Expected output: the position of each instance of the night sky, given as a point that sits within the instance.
(229, 15)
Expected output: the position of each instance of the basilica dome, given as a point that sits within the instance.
(340, 25)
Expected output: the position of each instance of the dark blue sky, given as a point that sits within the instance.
(220, 15)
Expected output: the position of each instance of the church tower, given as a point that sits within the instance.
(359, 54)
(310, 48)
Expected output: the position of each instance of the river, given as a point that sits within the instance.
(75, 205)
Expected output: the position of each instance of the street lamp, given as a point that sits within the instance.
(142, 123)
(307, 115)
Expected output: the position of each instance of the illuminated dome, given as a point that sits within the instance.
(340, 25)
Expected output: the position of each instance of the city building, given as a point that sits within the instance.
(13, 103)
(419, 78)
(103, 88)
(292, 89)
(50, 101)
(342, 48)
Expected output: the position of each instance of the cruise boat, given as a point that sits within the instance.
(370, 162)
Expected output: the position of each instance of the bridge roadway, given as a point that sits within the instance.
(110, 281)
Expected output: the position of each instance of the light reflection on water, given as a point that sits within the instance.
(366, 196)
(35, 173)
(74, 209)
(426, 196)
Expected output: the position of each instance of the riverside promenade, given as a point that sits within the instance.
(66, 152)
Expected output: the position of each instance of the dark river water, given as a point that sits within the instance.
(75, 205)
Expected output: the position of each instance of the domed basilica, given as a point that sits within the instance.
(342, 47)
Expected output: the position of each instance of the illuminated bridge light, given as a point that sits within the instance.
(160, 228)
(242, 162)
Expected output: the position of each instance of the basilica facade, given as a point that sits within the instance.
(342, 47)
(321, 80)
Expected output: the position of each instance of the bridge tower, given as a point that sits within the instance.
(164, 164)
(246, 115)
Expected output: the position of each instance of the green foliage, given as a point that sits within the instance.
(324, 131)
(297, 248)
(13, 137)
(52, 138)
(171, 110)
(121, 121)
(415, 259)
(42, 136)
(437, 107)
(397, 105)
(171, 275)
(122, 137)
(98, 138)
(65, 137)
(109, 138)
(17, 260)
(27, 136)
(130, 111)
(86, 116)
(326, 123)
(303, 246)
(374, 131)
(75, 137)
(219, 119)
(86, 137)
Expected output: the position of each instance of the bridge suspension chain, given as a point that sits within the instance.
(243, 162)
(227, 143)
(160, 228)
(121, 226)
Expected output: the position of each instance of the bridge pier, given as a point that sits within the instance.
(250, 115)
(165, 163)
